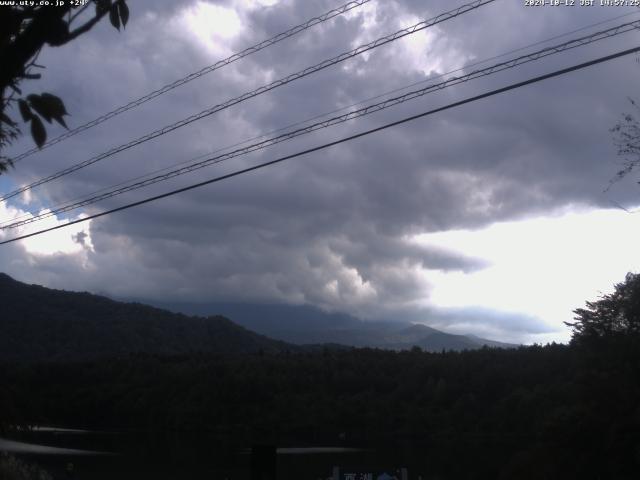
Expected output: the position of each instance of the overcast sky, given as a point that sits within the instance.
(487, 219)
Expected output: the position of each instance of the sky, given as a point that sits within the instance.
(489, 219)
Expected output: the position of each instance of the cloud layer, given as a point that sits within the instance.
(334, 228)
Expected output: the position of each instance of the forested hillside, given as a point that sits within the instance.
(41, 324)
(550, 412)
(555, 411)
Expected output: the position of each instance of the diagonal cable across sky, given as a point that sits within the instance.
(361, 112)
(456, 12)
(192, 76)
(276, 161)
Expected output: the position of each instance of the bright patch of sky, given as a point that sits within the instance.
(69, 240)
(544, 267)
(260, 3)
(213, 26)
(421, 51)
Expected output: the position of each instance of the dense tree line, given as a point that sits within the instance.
(555, 411)
(553, 407)
(12, 468)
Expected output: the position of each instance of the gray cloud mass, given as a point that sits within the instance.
(332, 228)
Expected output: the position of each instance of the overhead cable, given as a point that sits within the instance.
(331, 112)
(499, 67)
(278, 83)
(182, 81)
(336, 142)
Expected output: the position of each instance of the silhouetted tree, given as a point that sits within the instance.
(24, 31)
(627, 139)
(614, 314)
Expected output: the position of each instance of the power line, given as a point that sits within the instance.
(322, 115)
(340, 119)
(278, 83)
(515, 62)
(464, 67)
(513, 86)
(184, 80)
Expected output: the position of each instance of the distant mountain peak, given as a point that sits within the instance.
(305, 324)
(420, 328)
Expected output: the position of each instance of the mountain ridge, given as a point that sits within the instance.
(303, 324)
(42, 324)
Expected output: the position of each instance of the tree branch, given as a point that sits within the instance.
(85, 28)
(78, 13)
(26, 45)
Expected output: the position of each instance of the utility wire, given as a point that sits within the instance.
(326, 114)
(315, 117)
(491, 93)
(278, 83)
(322, 115)
(333, 121)
(184, 80)
(515, 62)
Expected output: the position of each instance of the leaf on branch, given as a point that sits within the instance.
(56, 104)
(25, 111)
(113, 16)
(39, 106)
(49, 106)
(5, 164)
(57, 32)
(38, 132)
(123, 9)
(32, 76)
(102, 6)
(61, 121)
(10, 20)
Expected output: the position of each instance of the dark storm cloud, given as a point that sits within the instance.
(330, 229)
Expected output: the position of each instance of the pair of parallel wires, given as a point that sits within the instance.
(351, 115)
(443, 17)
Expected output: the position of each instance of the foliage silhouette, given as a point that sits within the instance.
(558, 411)
(568, 410)
(24, 31)
(627, 139)
(614, 314)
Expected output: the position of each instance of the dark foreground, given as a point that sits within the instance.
(537, 412)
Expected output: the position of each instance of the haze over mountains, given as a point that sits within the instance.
(310, 325)
(41, 324)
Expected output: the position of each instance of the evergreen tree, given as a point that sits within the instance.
(615, 314)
